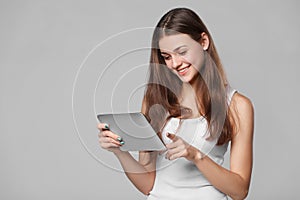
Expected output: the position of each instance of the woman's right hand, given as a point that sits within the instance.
(109, 140)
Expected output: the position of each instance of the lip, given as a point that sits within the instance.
(185, 70)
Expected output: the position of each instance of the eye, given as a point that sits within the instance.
(166, 57)
(182, 53)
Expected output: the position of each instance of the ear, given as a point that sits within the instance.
(204, 41)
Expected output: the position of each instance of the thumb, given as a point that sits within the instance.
(171, 136)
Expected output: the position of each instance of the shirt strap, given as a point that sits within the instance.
(230, 93)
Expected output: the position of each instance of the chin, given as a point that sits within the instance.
(185, 79)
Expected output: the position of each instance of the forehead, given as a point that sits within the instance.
(171, 42)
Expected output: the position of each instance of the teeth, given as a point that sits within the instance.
(182, 70)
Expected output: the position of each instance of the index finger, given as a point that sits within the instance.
(172, 136)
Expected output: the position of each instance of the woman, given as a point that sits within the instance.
(198, 115)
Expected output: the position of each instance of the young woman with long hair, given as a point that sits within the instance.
(196, 113)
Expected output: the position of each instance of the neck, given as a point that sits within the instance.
(188, 98)
(187, 92)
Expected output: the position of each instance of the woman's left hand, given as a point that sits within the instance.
(180, 148)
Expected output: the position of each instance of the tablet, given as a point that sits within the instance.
(135, 130)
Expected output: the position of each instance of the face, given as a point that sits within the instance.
(183, 55)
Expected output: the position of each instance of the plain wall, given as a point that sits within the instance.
(53, 56)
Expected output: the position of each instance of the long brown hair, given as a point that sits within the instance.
(163, 87)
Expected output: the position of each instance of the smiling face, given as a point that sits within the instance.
(183, 55)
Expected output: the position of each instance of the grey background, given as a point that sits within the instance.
(45, 155)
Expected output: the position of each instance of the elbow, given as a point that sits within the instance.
(146, 191)
(241, 190)
(242, 194)
(147, 188)
(245, 193)
(145, 185)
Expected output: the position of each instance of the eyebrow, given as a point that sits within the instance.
(176, 49)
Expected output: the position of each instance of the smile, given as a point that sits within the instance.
(183, 70)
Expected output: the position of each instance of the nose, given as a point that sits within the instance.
(177, 61)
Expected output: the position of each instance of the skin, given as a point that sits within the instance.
(180, 51)
(233, 182)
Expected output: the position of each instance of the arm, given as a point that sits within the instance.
(141, 173)
(234, 182)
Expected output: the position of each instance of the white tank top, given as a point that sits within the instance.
(181, 179)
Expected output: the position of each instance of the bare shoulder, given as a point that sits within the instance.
(241, 103)
(242, 111)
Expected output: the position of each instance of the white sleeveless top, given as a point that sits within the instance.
(180, 179)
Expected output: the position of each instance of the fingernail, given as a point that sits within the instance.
(119, 139)
(106, 126)
(122, 142)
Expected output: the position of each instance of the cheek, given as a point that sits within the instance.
(197, 59)
(169, 63)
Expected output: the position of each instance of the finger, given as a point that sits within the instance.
(177, 155)
(109, 145)
(109, 140)
(112, 135)
(172, 136)
(102, 126)
(173, 145)
(175, 150)
(178, 141)
(103, 134)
